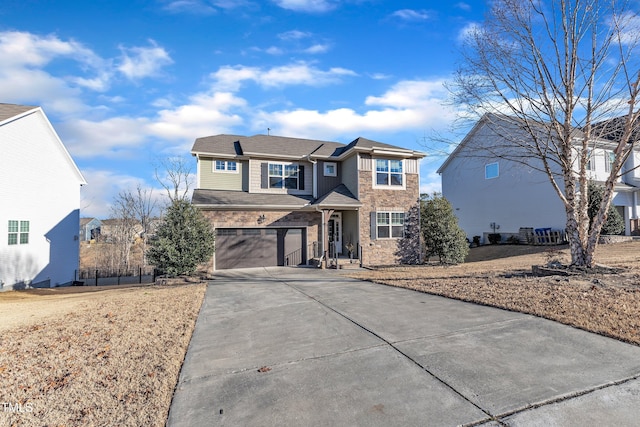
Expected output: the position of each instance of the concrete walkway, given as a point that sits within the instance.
(306, 347)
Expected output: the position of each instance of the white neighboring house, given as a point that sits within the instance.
(40, 202)
(485, 188)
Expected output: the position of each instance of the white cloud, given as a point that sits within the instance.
(24, 58)
(313, 6)
(102, 187)
(409, 105)
(206, 114)
(294, 35)
(469, 30)
(112, 137)
(411, 15)
(230, 78)
(317, 48)
(139, 62)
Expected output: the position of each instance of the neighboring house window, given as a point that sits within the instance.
(389, 172)
(330, 169)
(590, 165)
(491, 170)
(226, 166)
(287, 176)
(609, 158)
(18, 232)
(389, 225)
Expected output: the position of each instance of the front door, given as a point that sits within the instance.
(335, 234)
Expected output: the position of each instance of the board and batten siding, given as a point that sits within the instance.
(258, 168)
(410, 165)
(41, 184)
(349, 174)
(328, 183)
(212, 180)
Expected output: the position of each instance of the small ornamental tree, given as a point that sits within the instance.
(442, 235)
(614, 224)
(183, 240)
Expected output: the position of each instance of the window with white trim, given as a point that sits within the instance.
(609, 158)
(389, 173)
(389, 225)
(590, 163)
(285, 175)
(225, 166)
(491, 170)
(18, 232)
(330, 169)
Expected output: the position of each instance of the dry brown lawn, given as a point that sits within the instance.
(501, 276)
(103, 356)
(90, 356)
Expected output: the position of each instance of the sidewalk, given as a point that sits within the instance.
(306, 347)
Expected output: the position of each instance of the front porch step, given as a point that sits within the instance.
(342, 263)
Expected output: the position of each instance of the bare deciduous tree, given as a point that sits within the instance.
(124, 228)
(561, 71)
(175, 176)
(143, 206)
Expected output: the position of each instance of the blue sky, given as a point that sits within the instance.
(128, 83)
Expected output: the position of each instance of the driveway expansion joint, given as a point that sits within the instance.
(392, 346)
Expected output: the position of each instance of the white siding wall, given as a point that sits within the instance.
(39, 185)
(518, 197)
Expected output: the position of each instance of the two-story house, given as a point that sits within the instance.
(285, 201)
(487, 188)
(39, 202)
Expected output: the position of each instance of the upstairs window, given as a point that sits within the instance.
(18, 232)
(289, 176)
(225, 166)
(609, 158)
(491, 170)
(389, 173)
(330, 169)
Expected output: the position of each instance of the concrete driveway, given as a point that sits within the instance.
(307, 347)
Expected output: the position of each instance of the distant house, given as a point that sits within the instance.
(89, 229)
(287, 201)
(487, 188)
(113, 229)
(40, 194)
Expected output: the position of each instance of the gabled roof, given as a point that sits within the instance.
(8, 111)
(12, 112)
(339, 197)
(285, 147)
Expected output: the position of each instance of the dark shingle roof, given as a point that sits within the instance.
(338, 197)
(10, 110)
(280, 146)
(227, 198)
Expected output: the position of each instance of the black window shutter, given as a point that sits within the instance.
(301, 177)
(374, 231)
(264, 175)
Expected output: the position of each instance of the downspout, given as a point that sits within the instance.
(322, 239)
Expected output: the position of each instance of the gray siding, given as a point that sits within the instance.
(349, 174)
(328, 183)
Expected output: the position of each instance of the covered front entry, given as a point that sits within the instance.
(259, 247)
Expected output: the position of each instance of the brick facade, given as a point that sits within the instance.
(279, 219)
(385, 251)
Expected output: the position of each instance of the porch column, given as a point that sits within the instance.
(326, 216)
